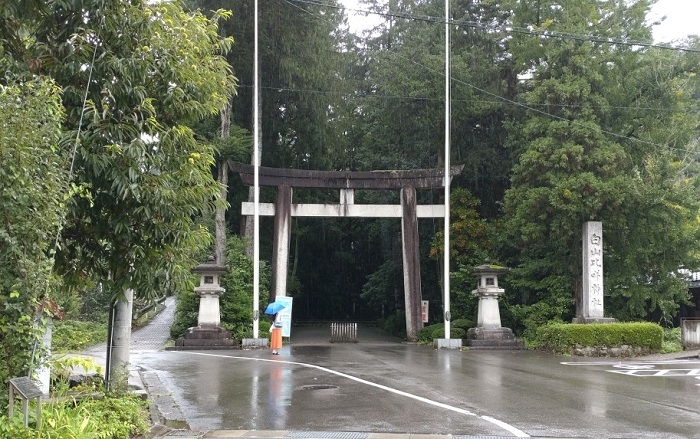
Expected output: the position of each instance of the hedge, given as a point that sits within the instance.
(429, 333)
(564, 337)
(461, 323)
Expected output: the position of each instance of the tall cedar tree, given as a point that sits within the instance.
(594, 148)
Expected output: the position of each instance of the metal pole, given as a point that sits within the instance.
(256, 188)
(446, 272)
(110, 337)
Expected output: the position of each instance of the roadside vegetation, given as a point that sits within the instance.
(672, 341)
(80, 409)
(103, 416)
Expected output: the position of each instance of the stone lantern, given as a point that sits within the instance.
(209, 291)
(207, 334)
(489, 334)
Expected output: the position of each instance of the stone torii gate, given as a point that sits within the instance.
(407, 181)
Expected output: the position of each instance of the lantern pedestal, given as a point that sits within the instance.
(497, 338)
(206, 338)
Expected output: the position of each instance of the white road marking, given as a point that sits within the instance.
(660, 372)
(634, 366)
(613, 363)
(645, 368)
(513, 430)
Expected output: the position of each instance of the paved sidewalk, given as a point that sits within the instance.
(271, 434)
(151, 337)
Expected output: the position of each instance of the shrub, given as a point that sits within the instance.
(526, 320)
(14, 428)
(74, 336)
(454, 332)
(117, 416)
(425, 335)
(672, 341)
(395, 324)
(458, 330)
(63, 367)
(563, 337)
(462, 323)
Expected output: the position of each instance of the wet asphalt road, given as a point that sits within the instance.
(381, 385)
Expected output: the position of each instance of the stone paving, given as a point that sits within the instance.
(156, 334)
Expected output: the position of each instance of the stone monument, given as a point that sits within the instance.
(208, 334)
(591, 305)
(489, 334)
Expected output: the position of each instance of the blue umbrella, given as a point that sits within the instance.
(275, 307)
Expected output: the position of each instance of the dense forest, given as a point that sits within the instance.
(118, 118)
(561, 111)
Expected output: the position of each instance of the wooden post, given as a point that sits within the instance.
(280, 254)
(411, 262)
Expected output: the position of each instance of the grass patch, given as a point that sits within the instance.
(672, 341)
(75, 336)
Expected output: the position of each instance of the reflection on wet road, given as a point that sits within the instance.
(401, 388)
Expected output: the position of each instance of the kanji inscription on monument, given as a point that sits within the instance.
(593, 269)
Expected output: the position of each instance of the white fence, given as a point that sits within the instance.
(343, 332)
(690, 333)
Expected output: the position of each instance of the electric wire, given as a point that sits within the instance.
(355, 95)
(501, 98)
(62, 218)
(503, 28)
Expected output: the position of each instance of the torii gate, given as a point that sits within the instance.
(407, 181)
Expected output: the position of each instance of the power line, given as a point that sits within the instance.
(501, 98)
(505, 28)
(440, 99)
(553, 116)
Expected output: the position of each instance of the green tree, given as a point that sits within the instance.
(659, 232)
(469, 246)
(149, 72)
(399, 108)
(156, 70)
(583, 154)
(33, 187)
(398, 117)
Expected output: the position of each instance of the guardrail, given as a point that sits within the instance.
(342, 332)
(149, 306)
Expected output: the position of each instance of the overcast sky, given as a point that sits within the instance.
(682, 18)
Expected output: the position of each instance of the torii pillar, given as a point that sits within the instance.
(281, 240)
(411, 262)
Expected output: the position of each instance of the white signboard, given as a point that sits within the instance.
(285, 316)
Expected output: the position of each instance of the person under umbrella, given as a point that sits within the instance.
(273, 310)
(275, 334)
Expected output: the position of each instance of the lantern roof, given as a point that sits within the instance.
(210, 267)
(490, 269)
